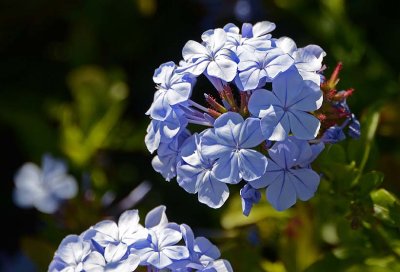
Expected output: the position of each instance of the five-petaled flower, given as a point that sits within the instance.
(46, 188)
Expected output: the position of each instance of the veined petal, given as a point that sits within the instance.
(305, 181)
(278, 64)
(250, 133)
(106, 232)
(213, 192)
(227, 168)
(128, 225)
(303, 125)
(284, 153)
(281, 194)
(273, 173)
(233, 117)
(94, 263)
(196, 67)
(252, 164)
(218, 39)
(167, 237)
(260, 101)
(287, 86)
(222, 68)
(114, 253)
(176, 252)
(250, 78)
(179, 92)
(159, 260)
(193, 50)
(275, 124)
(164, 73)
(309, 99)
(207, 249)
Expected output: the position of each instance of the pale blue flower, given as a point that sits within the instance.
(165, 131)
(122, 247)
(196, 175)
(70, 255)
(286, 109)
(259, 67)
(255, 37)
(127, 231)
(173, 88)
(285, 178)
(230, 143)
(160, 249)
(211, 57)
(168, 156)
(116, 258)
(44, 189)
(250, 196)
(203, 254)
(308, 60)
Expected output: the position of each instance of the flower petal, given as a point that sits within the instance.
(252, 164)
(213, 192)
(250, 133)
(303, 125)
(306, 182)
(226, 169)
(222, 68)
(282, 194)
(156, 217)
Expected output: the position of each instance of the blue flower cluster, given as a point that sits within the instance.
(263, 131)
(127, 245)
(44, 189)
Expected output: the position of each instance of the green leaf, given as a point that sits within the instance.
(368, 182)
(359, 150)
(386, 207)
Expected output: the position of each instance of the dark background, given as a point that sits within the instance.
(43, 41)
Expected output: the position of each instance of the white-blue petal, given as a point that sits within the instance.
(222, 68)
(252, 164)
(193, 50)
(213, 192)
(227, 168)
(275, 124)
(156, 217)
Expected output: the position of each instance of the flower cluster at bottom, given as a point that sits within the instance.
(124, 247)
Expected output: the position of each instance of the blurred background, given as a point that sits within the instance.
(76, 81)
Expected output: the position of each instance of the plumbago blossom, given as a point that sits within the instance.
(270, 116)
(44, 189)
(127, 246)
